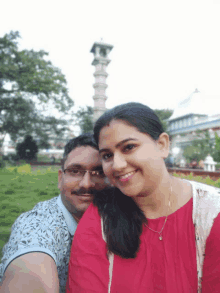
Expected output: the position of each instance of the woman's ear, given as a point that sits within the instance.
(164, 144)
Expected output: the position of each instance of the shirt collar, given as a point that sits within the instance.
(70, 221)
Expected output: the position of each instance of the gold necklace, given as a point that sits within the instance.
(160, 232)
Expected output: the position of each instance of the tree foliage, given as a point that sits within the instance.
(200, 147)
(217, 148)
(163, 116)
(30, 87)
(84, 119)
(27, 150)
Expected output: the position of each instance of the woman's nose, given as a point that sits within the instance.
(119, 162)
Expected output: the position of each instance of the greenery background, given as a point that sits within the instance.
(21, 189)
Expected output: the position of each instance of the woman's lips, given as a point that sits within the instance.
(127, 176)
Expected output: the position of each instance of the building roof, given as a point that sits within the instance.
(197, 104)
(101, 45)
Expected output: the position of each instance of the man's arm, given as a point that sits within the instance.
(32, 272)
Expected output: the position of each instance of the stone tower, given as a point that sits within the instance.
(101, 61)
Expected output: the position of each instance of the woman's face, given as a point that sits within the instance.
(132, 160)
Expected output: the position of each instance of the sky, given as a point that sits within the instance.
(162, 51)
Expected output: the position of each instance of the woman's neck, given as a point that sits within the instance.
(171, 189)
(155, 203)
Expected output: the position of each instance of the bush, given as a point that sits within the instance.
(206, 180)
(2, 164)
(217, 166)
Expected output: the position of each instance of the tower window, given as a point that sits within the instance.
(103, 52)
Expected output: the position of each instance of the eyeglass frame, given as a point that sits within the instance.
(82, 173)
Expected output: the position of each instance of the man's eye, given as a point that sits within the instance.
(74, 171)
(100, 173)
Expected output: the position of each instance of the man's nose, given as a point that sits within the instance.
(119, 162)
(86, 181)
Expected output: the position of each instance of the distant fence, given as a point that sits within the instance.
(45, 163)
(195, 172)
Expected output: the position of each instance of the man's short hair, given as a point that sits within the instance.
(86, 139)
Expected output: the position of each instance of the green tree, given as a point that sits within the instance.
(217, 148)
(30, 86)
(200, 147)
(163, 116)
(84, 118)
(27, 150)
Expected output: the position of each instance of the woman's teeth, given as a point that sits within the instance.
(127, 175)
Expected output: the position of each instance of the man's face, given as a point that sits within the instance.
(77, 194)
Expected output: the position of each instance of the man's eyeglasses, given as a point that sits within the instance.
(79, 174)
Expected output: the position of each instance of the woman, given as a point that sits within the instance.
(150, 232)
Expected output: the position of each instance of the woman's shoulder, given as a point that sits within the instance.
(206, 198)
(206, 205)
(202, 189)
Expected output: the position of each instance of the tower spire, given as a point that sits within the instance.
(100, 51)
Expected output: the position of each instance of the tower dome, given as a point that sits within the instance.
(195, 103)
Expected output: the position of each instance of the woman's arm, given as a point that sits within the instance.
(88, 266)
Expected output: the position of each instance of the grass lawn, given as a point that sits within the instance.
(21, 191)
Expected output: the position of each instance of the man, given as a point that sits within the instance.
(37, 255)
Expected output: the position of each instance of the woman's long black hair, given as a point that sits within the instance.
(122, 218)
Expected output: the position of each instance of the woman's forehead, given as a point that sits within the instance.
(117, 131)
(115, 127)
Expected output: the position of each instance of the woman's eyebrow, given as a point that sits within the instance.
(118, 144)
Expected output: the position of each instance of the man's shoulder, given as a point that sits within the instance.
(45, 218)
(42, 229)
(50, 204)
(47, 208)
(44, 225)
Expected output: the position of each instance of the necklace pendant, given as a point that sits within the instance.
(160, 237)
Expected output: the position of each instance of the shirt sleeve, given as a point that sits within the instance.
(211, 268)
(88, 265)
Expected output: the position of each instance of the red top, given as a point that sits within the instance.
(160, 266)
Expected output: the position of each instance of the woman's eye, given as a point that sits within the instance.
(106, 157)
(129, 147)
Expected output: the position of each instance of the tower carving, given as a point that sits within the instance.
(100, 51)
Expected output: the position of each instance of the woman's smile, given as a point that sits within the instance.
(126, 177)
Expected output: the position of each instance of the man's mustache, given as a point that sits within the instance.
(82, 191)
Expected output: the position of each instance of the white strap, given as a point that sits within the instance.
(110, 259)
